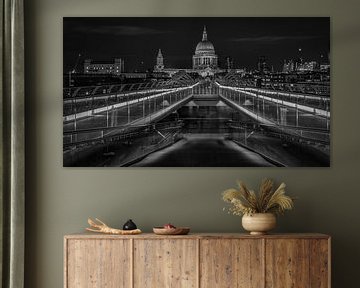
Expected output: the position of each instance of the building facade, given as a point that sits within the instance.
(300, 66)
(159, 67)
(115, 68)
(205, 58)
(288, 66)
(308, 66)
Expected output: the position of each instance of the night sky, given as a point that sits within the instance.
(137, 40)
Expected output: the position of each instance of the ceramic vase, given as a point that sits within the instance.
(259, 223)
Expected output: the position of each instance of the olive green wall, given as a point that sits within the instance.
(59, 200)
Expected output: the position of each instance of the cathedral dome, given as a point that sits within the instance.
(205, 59)
(205, 46)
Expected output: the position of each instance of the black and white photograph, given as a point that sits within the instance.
(196, 92)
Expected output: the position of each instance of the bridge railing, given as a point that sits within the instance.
(312, 88)
(206, 88)
(308, 88)
(276, 142)
(77, 105)
(128, 147)
(291, 113)
(301, 100)
(110, 89)
(111, 120)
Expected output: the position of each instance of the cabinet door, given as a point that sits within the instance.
(320, 263)
(231, 263)
(166, 263)
(98, 263)
(287, 263)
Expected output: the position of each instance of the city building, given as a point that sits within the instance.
(307, 66)
(262, 65)
(325, 67)
(134, 75)
(288, 66)
(115, 68)
(204, 63)
(229, 63)
(159, 67)
(299, 66)
(204, 60)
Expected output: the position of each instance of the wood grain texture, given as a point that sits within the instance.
(287, 263)
(165, 263)
(98, 263)
(231, 263)
(88, 235)
(319, 263)
(197, 260)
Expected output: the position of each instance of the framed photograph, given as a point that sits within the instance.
(196, 92)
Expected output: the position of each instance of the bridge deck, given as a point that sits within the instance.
(137, 109)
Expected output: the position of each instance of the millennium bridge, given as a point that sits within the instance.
(139, 123)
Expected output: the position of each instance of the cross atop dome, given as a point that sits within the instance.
(204, 37)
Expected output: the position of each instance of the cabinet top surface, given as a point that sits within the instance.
(87, 235)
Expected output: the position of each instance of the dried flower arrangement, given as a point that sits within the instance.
(246, 202)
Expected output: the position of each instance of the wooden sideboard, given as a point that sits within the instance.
(197, 260)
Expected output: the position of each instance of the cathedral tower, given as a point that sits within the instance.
(159, 62)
